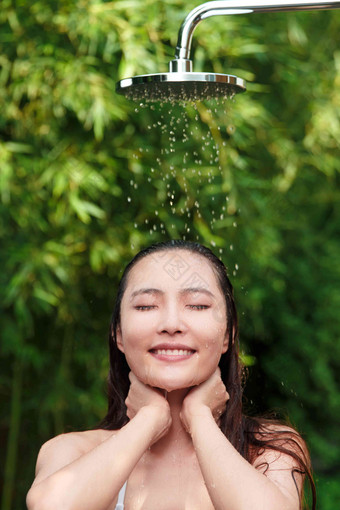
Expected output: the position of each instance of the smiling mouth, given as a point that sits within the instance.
(172, 352)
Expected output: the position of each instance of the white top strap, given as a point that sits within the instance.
(121, 496)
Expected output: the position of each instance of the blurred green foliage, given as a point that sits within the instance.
(86, 181)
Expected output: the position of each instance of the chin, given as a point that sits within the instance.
(171, 378)
(172, 384)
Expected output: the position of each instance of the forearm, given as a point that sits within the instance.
(94, 479)
(232, 482)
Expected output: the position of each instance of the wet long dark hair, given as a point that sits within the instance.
(249, 435)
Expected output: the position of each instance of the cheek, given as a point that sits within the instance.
(135, 336)
(136, 330)
(211, 330)
(213, 354)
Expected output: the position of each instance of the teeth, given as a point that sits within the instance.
(173, 352)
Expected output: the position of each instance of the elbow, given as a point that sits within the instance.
(39, 499)
(35, 499)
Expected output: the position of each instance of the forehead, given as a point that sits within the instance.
(173, 269)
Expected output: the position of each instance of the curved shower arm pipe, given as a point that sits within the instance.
(182, 60)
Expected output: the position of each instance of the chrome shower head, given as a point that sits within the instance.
(180, 83)
(180, 86)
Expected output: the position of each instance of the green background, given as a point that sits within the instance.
(87, 178)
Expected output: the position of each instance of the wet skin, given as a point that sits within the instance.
(173, 332)
(173, 326)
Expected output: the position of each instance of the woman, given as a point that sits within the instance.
(174, 431)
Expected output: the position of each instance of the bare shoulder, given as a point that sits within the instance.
(281, 440)
(63, 449)
(76, 442)
(283, 457)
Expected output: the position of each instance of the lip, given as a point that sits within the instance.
(172, 347)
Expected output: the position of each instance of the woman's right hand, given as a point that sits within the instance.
(143, 396)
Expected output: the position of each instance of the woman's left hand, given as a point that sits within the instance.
(209, 396)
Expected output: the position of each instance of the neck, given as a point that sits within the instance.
(177, 438)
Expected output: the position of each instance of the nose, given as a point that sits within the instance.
(171, 321)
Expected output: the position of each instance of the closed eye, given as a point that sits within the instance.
(144, 308)
(198, 307)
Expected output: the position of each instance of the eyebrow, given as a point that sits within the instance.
(195, 290)
(189, 290)
(146, 291)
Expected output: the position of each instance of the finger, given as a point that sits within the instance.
(134, 379)
(218, 371)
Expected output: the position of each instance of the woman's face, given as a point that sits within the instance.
(173, 320)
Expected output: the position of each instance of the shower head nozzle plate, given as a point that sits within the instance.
(180, 86)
